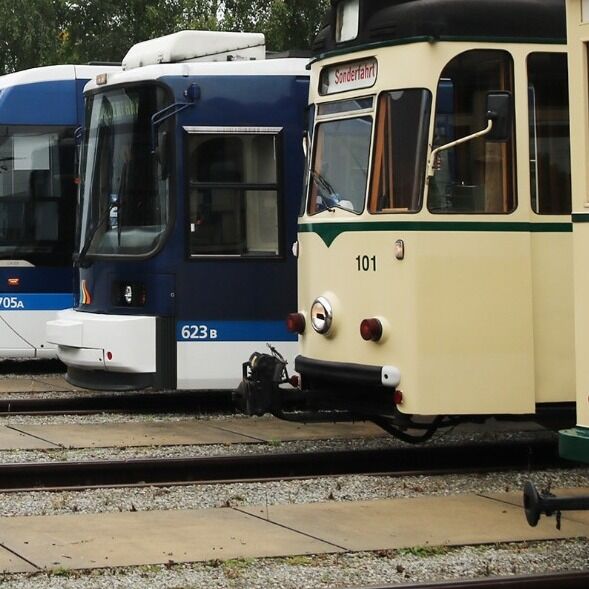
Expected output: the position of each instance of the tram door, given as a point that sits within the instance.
(475, 275)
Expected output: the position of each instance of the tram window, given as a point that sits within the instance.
(347, 19)
(37, 194)
(477, 175)
(339, 168)
(550, 158)
(400, 146)
(233, 195)
(339, 106)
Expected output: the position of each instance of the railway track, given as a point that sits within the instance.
(36, 366)
(128, 402)
(471, 458)
(568, 580)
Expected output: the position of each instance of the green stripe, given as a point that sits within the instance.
(428, 39)
(329, 231)
(580, 217)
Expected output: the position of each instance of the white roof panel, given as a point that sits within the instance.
(189, 46)
(53, 73)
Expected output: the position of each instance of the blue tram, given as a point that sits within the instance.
(39, 112)
(191, 181)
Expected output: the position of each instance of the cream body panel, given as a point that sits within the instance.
(554, 321)
(578, 38)
(476, 322)
(458, 319)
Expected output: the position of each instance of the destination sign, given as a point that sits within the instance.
(349, 76)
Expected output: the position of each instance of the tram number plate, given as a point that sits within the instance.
(11, 303)
(194, 331)
(366, 263)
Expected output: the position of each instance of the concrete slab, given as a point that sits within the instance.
(127, 539)
(421, 521)
(38, 384)
(270, 429)
(58, 384)
(11, 439)
(517, 499)
(10, 563)
(113, 435)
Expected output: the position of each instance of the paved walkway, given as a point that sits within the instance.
(141, 538)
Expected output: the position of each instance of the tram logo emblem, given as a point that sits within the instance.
(85, 296)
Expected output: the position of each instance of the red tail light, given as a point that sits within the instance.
(295, 323)
(371, 329)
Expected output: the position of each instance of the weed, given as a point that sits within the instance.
(424, 551)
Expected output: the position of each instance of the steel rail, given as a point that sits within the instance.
(427, 460)
(129, 402)
(567, 580)
(36, 366)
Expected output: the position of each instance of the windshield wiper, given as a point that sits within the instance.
(80, 258)
(333, 199)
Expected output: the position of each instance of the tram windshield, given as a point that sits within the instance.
(125, 188)
(37, 194)
(339, 170)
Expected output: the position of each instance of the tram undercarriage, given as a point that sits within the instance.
(267, 388)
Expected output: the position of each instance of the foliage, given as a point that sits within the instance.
(44, 32)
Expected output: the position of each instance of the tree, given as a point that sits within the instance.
(104, 30)
(288, 24)
(44, 32)
(30, 33)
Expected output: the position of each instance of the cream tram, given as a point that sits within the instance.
(435, 239)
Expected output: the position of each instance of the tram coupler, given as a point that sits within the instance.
(536, 504)
(259, 390)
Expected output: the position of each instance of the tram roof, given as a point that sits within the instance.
(53, 73)
(263, 67)
(386, 21)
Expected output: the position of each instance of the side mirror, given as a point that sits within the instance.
(500, 111)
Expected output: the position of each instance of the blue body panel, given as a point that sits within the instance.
(51, 103)
(42, 103)
(227, 295)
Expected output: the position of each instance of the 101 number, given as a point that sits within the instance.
(366, 263)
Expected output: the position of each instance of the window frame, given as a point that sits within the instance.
(367, 111)
(277, 187)
(375, 146)
(538, 199)
(60, 249)
(510, 174)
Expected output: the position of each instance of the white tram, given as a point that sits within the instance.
(435, 242)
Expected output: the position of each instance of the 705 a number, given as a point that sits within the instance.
(366, 263)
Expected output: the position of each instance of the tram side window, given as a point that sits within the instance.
(233, 195)
(550, 158)
(476, 176)
(400, 146)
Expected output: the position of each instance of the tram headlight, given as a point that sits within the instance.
(321, 315)
(129, 294)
